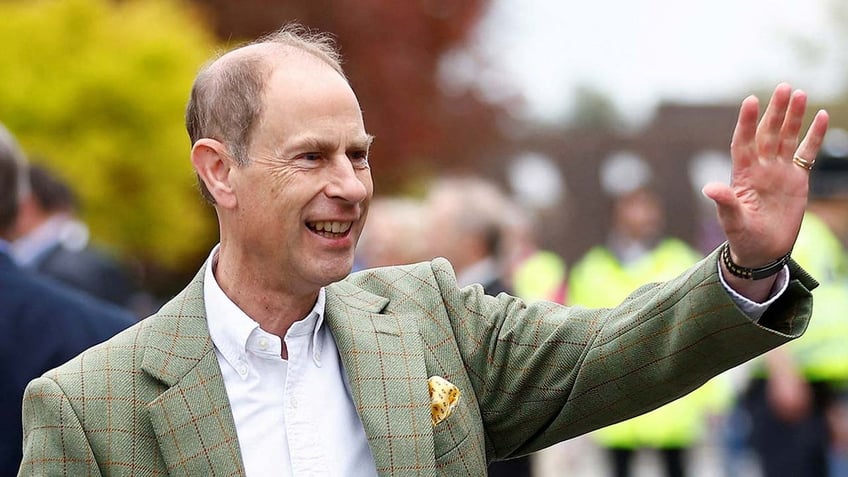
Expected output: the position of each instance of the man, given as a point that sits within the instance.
(52, 241)
(466, 225)
(42, 324)
(273, 361)
(393, 235)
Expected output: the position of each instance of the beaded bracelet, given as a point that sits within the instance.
(752, 273)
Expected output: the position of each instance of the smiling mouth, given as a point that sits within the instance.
(329, 229)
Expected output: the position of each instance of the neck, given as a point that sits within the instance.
(272, 304)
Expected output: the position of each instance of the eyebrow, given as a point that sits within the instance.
(319, 144)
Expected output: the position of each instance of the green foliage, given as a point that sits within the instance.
(96, 90)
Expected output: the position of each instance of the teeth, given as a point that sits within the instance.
(332, 227)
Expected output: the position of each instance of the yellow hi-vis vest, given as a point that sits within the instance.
(541, 276)
(599, 280)
(821, 354)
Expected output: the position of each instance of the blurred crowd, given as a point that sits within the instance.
(789, 409)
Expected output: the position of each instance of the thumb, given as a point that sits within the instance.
(727, 204)
(721, 194)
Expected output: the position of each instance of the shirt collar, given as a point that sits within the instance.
(59, 229)
(232, 330)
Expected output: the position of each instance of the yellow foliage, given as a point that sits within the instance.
(96, 90)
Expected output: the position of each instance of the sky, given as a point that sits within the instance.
(641, 52)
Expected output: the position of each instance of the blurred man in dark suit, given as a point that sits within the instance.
(52, 241)
(42, 324)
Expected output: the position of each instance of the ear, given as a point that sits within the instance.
(213, 165)
(30, 216)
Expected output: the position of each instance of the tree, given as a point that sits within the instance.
(97, 90)
(594, 109)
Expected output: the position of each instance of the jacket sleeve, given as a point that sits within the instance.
(54, 441)
(543, 373)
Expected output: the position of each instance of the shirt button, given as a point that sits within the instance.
(263, 344)
(242, 369)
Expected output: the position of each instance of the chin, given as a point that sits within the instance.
(338, 271)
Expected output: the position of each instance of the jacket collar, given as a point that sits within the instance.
(192, 418)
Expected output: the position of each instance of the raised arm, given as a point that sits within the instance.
(761, 209)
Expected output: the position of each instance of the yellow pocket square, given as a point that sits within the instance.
(443, 398)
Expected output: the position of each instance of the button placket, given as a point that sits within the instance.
(242, 368)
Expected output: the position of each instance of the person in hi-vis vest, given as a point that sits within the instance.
(637, 251)
(798, 394)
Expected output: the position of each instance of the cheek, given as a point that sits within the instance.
(281, 178)
(365, 177)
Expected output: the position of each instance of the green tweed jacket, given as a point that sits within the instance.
(151, 401)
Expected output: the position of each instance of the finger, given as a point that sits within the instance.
(812, 141)
(743, 146)
(727, 204)
(770, 125)
(792, 125)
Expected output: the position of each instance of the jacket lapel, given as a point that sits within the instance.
(192, 419)
(383, 357)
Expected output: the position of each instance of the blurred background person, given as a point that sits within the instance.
(393, 234)
(797, 397)
(466, 226)
(42, 323)
(636, 252)
(53, 241)
(533, 273)
(466, 219)
(705, 167)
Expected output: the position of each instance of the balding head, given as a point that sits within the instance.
(12, 180)
(227, 96)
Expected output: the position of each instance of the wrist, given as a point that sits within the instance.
(746, 273)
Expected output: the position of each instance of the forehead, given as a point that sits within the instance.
(291, 66)
(288, 69)
(304, 93)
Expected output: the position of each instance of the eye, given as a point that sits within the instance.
(311, 156)
(359, 158)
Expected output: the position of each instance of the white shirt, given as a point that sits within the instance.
(293, 417)
(753, 309)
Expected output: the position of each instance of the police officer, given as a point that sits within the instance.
(796, 389)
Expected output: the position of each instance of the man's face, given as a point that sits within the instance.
(639, 215)
(303, 198)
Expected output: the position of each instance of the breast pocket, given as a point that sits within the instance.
(456, 442)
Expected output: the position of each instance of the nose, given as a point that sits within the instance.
(348, 183)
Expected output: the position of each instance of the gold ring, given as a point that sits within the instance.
(803, 163)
